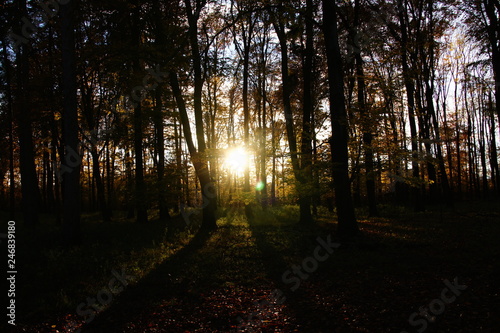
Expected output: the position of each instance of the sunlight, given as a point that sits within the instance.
(236, 159)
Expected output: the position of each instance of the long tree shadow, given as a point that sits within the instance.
(308, 315)
(154, 287)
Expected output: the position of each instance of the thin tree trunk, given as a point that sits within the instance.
(457, 144)
(109, 178)
(263, 171)
(493, 31)
(96, 178)
(410, 90)
(10, 121)
(199, 162)
(160, 147)
(179, 175)
(246, 109)
(101, 197)
(304, 202)
(273, 172)
(482, 152)
(495, 172)
(140, 185)
(130, 202)
(366, 121)
(307, 110)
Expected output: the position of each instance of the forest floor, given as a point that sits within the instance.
(265, 273)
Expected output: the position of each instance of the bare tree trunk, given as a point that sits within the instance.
(101, 197)
(29, 181)
(263, 165)
(179, 174)
(130, 202)
(71, 178)
(10, 121)
(429, 92)
(110, 166)
(366, 121)
(140, 185)
(347, 224)
(198, 157)
(495, 172)
(158, 121)
(307, 129)
(262, 102)
(304, 198)
(482, 152)
(493, 30)
(198, 160)
(160, 147)
(273, 172)
(457, 145)
(410, 91)
(246, 108)
(90, 117)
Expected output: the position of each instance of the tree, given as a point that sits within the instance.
(347, 224)
(246, 30)
(158, 120)
(10, 124)
(198, 156)
(301, 166)
(490, 13)
(29, 181)
(92, 117)
(140, 186)
(367, 123)
(71, 178)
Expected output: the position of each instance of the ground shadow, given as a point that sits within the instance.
(145, 293)
(308, 316)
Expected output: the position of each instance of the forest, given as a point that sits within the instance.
(250, 166)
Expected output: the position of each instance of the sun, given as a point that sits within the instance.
(236, 159)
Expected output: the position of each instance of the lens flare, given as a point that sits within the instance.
(236, 159)
(259, 186)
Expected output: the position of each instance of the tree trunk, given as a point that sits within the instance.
(198, 157)
(347, 224)
(304, 198)
(199, 162)
(495, 171)
(307, 110)
(29, 181)
(109, 177)
(101, 197)
(410, 91)
(160, 147)
(71, 178)
(90, 117)
(366, 121)
(179, 167)
(273, 172)
(140, 185)
(246, 109)
(493, 31)
(10, 121)
(263, 143)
